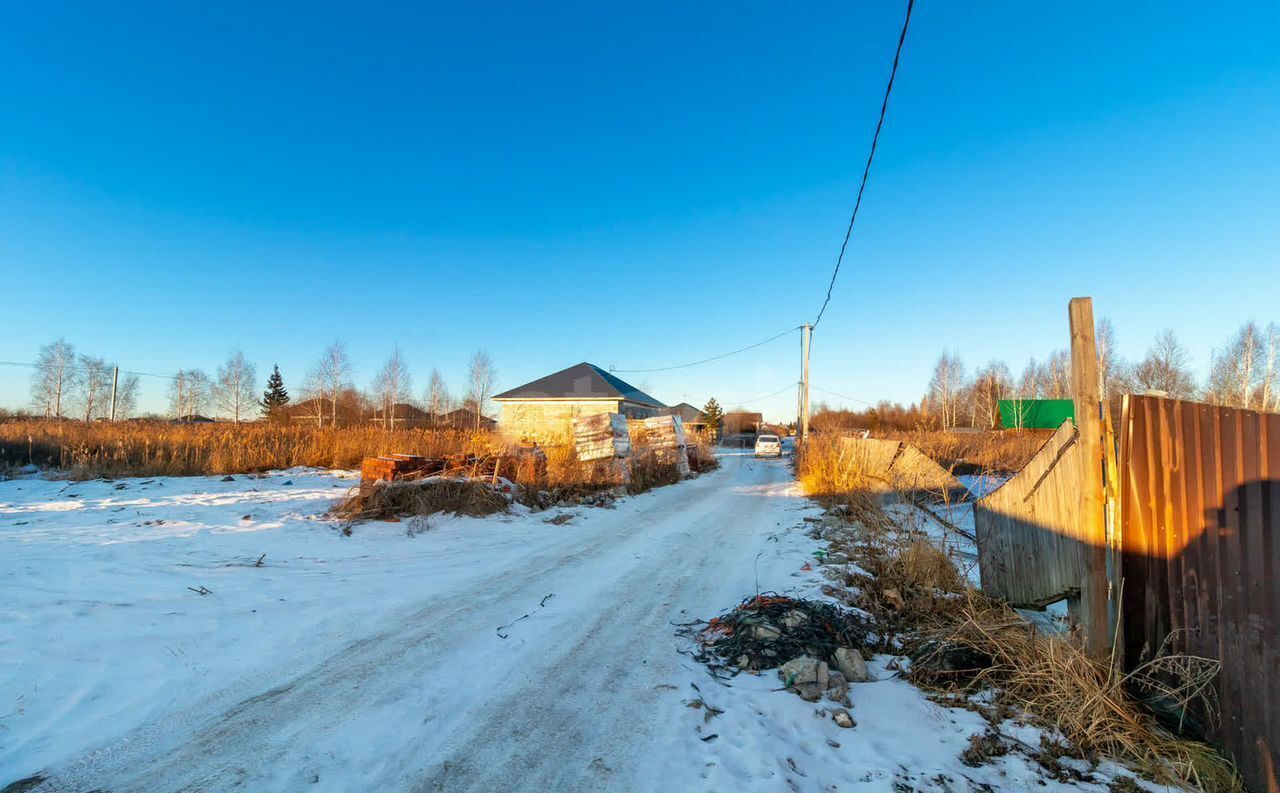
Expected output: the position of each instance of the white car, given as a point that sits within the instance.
(768, 446)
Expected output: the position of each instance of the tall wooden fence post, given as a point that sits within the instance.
(1084, 386)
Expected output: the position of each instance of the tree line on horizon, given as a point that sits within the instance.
(1243, 373)
(69, 384)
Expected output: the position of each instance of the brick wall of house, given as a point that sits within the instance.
(550, 420)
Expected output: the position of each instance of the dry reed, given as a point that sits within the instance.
(424, 497)
(828, 475)
(1004, 451)
(1078, 696)
(157, 448)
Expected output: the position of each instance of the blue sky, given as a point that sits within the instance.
(631, 185)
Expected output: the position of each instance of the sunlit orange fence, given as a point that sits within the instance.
(1194, 548)
(1199, 534)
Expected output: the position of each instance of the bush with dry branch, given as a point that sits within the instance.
(702, 454)
(424, 497)
(1077, 696)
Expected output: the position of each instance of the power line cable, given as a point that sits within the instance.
(707, 360)
(731, 403)
(78, 368)
(842, 396)
(866, 171)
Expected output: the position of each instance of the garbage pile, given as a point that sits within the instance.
(816, 646)
(581, 496)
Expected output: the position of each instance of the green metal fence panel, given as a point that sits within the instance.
(1035, 414)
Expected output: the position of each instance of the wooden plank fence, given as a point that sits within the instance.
(1030, 543)
(1199, 522)
(897, 466)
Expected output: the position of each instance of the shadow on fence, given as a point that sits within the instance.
(1195, 549)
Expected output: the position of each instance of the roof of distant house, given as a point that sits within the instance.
(466, 413)
(687, 413)
(581, 381)
(405, 410)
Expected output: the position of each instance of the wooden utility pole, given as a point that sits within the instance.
(115, 383)
(799, 407)
(1084, 386)
(804, 384)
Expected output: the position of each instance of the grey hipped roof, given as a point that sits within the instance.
(687, 413)
(583, 381)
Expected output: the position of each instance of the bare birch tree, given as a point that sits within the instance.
(236, 389)
(1270, 397)
(54, 378)
(92, 392)
(1165, 368)
(330, 377)
(481, 380)
(188, 393)
(1109, 365)
(127, 396)
(437, 397)
(1243, 374)
(392, 386)
(1029, 382)
(991, 385)
(945, 387)
(1055, 376)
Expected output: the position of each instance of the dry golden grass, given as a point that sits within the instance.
(827, 473)
(919, 564)
(1079, 696)
(1004, 451)
(908, 583)
(702, 454)
(162, 449)
(400, 499)
(649, 470)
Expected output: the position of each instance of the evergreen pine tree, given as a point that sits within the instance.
(713, 415)
(275, 397)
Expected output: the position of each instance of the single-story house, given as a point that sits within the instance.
(738, 423)
(194, 418)
(466, 419)
(405, 415)
(546, 407)
(692, 418)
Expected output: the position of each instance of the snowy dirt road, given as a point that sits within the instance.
(202, 634)
(425, 693)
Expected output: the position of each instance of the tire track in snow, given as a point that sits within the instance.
(263, 739)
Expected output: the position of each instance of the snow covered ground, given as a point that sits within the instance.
(504, 653)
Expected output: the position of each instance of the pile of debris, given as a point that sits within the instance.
(816, 646)
(582, 496)
(428, 496)
(498, 469)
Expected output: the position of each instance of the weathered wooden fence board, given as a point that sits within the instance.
(602, 442)
(601, 436)
(897, 466)
(665, 439)
(1030, 550)
(1200, 551)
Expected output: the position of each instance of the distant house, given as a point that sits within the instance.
(351, 409)
(547, 406)
(740, 423)
(405, 415)
(466, 419)
(692, 418)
